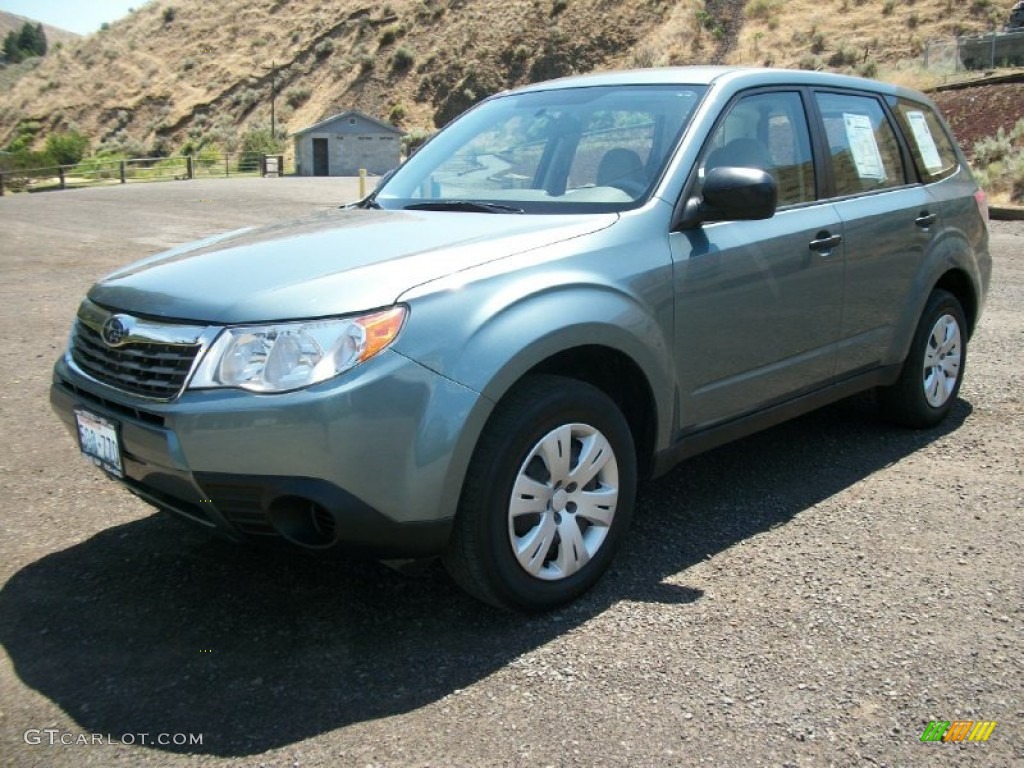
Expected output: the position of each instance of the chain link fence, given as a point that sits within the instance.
(1000, 49)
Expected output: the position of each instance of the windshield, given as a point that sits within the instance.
(571, 150)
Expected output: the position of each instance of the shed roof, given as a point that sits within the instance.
(351, 113)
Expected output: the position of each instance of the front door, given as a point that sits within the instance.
(758, 303)
(321, 165)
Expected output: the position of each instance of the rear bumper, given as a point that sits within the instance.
(365, 463)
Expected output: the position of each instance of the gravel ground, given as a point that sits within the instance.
(809, 596)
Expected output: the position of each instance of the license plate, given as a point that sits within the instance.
(97, 437)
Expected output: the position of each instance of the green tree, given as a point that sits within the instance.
(257, 142)
(26, 38)
(29, 41)
(24, 135)
(67, 148)
(10, 50)
(32, 40)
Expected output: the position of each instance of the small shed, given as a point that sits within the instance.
(342, 144)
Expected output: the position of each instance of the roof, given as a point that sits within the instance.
(716, 75)
(352, 113)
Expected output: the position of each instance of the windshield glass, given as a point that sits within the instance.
(570, 150)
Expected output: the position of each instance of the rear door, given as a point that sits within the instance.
(758, 303)
(889, 221)
(939, 166)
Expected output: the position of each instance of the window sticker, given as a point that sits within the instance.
(925, 141)
(866, 156)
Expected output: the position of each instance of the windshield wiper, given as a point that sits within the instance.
(366, 202)
(472, 206)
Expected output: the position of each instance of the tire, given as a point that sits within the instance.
(519, 497)
(930, 380)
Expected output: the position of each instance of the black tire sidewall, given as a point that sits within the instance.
(572, 402)
(907, 401)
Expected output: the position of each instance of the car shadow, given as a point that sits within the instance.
(153, 627)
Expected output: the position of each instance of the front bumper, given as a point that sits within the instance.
(372, 460)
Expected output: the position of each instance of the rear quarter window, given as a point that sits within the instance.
(930, 145)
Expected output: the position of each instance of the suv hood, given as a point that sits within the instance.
(331, 263)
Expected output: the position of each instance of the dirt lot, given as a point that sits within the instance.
(810, 596)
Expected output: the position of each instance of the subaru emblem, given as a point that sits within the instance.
(114, 331)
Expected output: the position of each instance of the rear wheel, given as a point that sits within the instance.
(547, 498)
(932, 373)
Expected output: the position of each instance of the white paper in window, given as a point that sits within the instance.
(925, 141)
(866, 156)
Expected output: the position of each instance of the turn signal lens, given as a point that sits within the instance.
(381, 329)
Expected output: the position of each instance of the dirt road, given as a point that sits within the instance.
(810, 596)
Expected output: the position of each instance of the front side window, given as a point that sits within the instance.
(569, 150)
(767, 131)
(862, 143)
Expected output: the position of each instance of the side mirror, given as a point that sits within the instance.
(732, 194)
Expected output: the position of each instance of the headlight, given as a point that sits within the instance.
(286, 356)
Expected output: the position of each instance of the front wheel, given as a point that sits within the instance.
(548, 496)
(932, 373)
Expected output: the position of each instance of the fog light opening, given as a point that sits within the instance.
(303, 522)
(324, 522)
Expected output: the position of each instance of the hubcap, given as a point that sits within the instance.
(942, 361)
(563, 501)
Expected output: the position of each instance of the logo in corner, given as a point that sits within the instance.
(115, 330)
(958, 730)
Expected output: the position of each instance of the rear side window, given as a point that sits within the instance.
(863, 145)
(930, 145)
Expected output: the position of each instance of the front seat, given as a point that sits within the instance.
(622, 168)
(740, 153)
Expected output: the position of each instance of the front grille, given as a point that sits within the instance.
(138, 414)
(150, 369)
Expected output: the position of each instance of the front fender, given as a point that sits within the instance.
(485, 329)
(558, 319)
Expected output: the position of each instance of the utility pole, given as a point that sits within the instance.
(273, 93)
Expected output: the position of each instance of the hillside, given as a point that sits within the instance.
(176, 70)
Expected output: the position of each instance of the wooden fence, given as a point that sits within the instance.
(95, 171)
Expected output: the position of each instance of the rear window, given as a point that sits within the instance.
(930, 145)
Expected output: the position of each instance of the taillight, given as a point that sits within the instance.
(982, 201)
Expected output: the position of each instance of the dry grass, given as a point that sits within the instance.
(850, 35)
(910, 74)
(206, 72)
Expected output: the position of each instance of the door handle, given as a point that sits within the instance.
(926, 219)
(824, 243)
